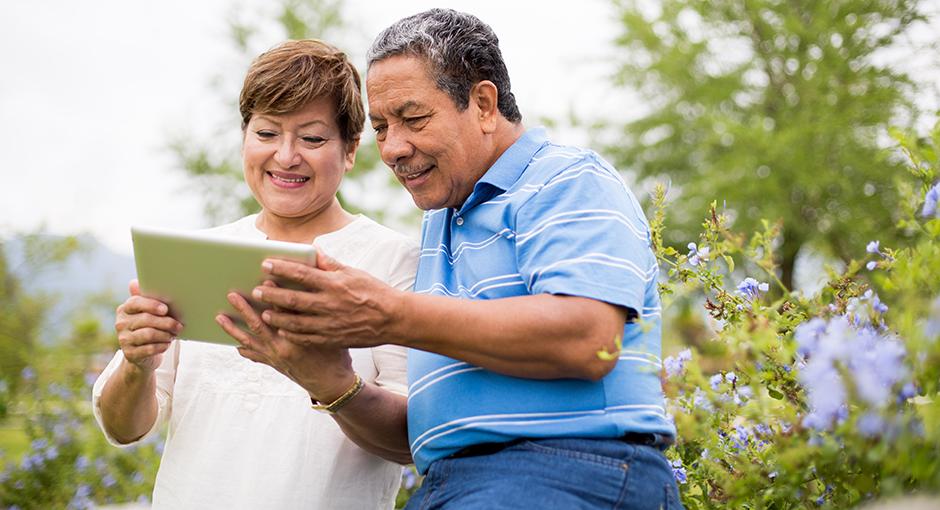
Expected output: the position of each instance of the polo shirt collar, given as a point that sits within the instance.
(509, 167)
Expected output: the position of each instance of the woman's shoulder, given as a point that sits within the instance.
(242, 227)
(379, 234)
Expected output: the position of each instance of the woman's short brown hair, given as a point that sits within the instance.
(289, 76)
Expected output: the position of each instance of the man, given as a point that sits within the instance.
(535, 261)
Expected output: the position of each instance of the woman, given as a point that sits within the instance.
(242, 434)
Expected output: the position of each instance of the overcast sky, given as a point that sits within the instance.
(92, 92)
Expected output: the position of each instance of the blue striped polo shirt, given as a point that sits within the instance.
(544, 218)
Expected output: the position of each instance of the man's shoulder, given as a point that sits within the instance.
(553, 160)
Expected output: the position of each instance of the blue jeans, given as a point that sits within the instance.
(566, 474)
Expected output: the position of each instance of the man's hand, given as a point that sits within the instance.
(144, 329)
(325, 372)
(340, 306)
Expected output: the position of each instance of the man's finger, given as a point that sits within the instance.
(307, 276)
(300, 323)
(251, 318)
(289, 299)
(243, 339)
(305, 339)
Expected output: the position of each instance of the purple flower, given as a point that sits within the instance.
(871, 425)
(872, 248)
(697, 255)
(108, 481)
(930, 202)
(28, 374)
(751, 288)
(679, 471)
(871, 265)
(716, 381)
(674, 365)
(81, 463)
(408, 478)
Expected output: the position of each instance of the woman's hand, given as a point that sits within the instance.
(325, 372)
(144, 329)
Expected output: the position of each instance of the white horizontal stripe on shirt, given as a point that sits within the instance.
(437, 371)
(436, 380)
(597, 258)
(584, 215)
(523, 419)
(462, 247)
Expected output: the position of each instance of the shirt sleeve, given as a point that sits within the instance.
(391, 361)
(584, 234)
(166, 375)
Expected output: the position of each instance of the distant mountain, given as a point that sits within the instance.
(93, 271)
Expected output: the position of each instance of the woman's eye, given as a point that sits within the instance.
(265, 134)
(313, 139)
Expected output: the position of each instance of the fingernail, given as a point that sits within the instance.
(256, 293)
(218, 319)
(162, 309)
(267, 266)
(265, 316)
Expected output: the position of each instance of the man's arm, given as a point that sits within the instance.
(539, 337)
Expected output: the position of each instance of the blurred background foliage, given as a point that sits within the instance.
(771, 110)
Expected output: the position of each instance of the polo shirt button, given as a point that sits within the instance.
(459, 220)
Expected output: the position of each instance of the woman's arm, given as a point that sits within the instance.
(128, 401)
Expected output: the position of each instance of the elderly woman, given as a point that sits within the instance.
(243, 434)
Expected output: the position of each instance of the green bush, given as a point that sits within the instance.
(797, 401)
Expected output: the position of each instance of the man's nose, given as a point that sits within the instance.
(287, 155)
(396, 146)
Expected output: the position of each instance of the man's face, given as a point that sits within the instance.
(433, 148)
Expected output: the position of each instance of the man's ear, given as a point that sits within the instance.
(351, 147)
(485, 97)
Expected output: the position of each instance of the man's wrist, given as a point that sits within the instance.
(398, 329)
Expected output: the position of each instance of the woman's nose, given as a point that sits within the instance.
(287, 156)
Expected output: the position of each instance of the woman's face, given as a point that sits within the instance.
(294, 163)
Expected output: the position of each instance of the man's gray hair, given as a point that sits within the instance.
(460, 50)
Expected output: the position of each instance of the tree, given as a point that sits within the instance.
(21, 313)
(776, 109)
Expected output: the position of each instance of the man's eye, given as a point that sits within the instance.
(379, 131)
(416, 121)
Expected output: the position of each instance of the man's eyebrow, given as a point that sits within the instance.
(399, 111)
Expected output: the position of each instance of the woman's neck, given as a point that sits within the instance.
(303, 229)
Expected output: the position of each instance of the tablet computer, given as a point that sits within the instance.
(192, 271)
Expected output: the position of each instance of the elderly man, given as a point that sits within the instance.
(535, 262)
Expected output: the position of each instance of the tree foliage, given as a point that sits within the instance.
(775, 109)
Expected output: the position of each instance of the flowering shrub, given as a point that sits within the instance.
(801, 401)
(68, 464)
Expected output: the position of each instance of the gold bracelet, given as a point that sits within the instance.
(342, 400)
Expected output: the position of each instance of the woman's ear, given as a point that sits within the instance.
(485, 97)
(351, 147)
